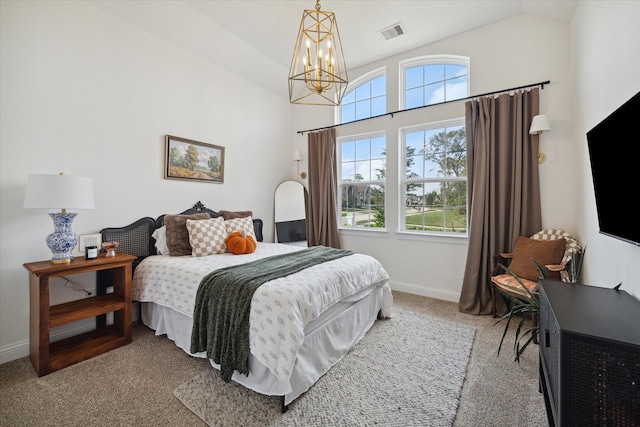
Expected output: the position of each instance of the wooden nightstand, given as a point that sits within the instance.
(49, 357)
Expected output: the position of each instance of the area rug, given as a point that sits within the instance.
(407, 370)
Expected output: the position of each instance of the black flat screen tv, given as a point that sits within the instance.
(614, 152)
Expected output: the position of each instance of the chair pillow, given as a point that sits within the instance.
(207, 236)
(177, 234)
(545, 252)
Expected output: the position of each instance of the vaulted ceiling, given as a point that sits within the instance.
(217, 29)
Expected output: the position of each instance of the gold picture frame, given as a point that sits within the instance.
(190, 160)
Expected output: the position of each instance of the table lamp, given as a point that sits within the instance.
(60, 192)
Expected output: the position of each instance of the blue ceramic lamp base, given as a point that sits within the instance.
(62, 240)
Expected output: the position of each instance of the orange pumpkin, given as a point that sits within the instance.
(239, 243)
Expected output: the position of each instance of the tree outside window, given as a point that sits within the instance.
(436, 188)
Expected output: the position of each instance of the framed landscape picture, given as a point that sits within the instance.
(193, 160)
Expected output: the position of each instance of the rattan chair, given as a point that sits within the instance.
(503, 282)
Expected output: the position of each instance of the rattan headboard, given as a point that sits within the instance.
(136, 239)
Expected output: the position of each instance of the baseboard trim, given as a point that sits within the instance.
(21, 349)
(424, 291)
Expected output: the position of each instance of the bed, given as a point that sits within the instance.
(300, 325)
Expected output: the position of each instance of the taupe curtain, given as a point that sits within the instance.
(322, 223)
(503, 188)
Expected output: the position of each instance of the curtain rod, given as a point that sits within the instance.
(541, 84)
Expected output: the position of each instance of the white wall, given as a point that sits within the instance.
(87, 94)
(510, 53)
(606, 63)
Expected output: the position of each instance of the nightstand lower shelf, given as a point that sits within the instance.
(84, 346)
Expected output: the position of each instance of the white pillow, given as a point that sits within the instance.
(161, 240)
(239, 224)
(207, 236)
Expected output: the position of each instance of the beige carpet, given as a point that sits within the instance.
(406, 370)
(133, 385)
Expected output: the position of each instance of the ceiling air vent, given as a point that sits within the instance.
(393, 31)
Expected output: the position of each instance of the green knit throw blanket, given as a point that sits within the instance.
(223, 302)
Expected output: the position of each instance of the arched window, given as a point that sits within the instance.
(433, 79)
(366, 97)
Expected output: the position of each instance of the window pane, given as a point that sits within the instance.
(456, 88)
(363, 149)
(363, 91)
(349, 195)
(452, 71)
(454, 208)
(348, 151)
(378, 169)
(363, 109)
(434, 93)
(415, 166)
(378, 105)
(378, 148)
(349, 97)
(414, 98)
(436, 141)
(348, 112)
(433, 73)
(363, 171)
(413, 77)
(379, 86)
(348, 171)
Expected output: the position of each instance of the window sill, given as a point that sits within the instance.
(367, 232)
(461, 239)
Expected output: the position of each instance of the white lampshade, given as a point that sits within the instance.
(59, 192)
(539, 124)
(297, 156)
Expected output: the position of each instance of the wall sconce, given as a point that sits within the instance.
(297, 156)
(60, 192)
(540, 124)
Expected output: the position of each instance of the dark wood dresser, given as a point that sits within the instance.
(589, 355)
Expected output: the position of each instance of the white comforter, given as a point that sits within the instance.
(280, 309)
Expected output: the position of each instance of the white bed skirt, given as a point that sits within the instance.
(327, 340)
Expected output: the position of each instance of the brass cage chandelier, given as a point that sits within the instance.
(318, 74)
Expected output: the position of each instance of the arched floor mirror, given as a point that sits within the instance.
(290, 213)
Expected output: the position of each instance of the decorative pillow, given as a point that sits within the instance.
(545, 252)
(177, 235)
(232, 215)
(240, 243)
(239, 224)
(207, 236)
(160, 235)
